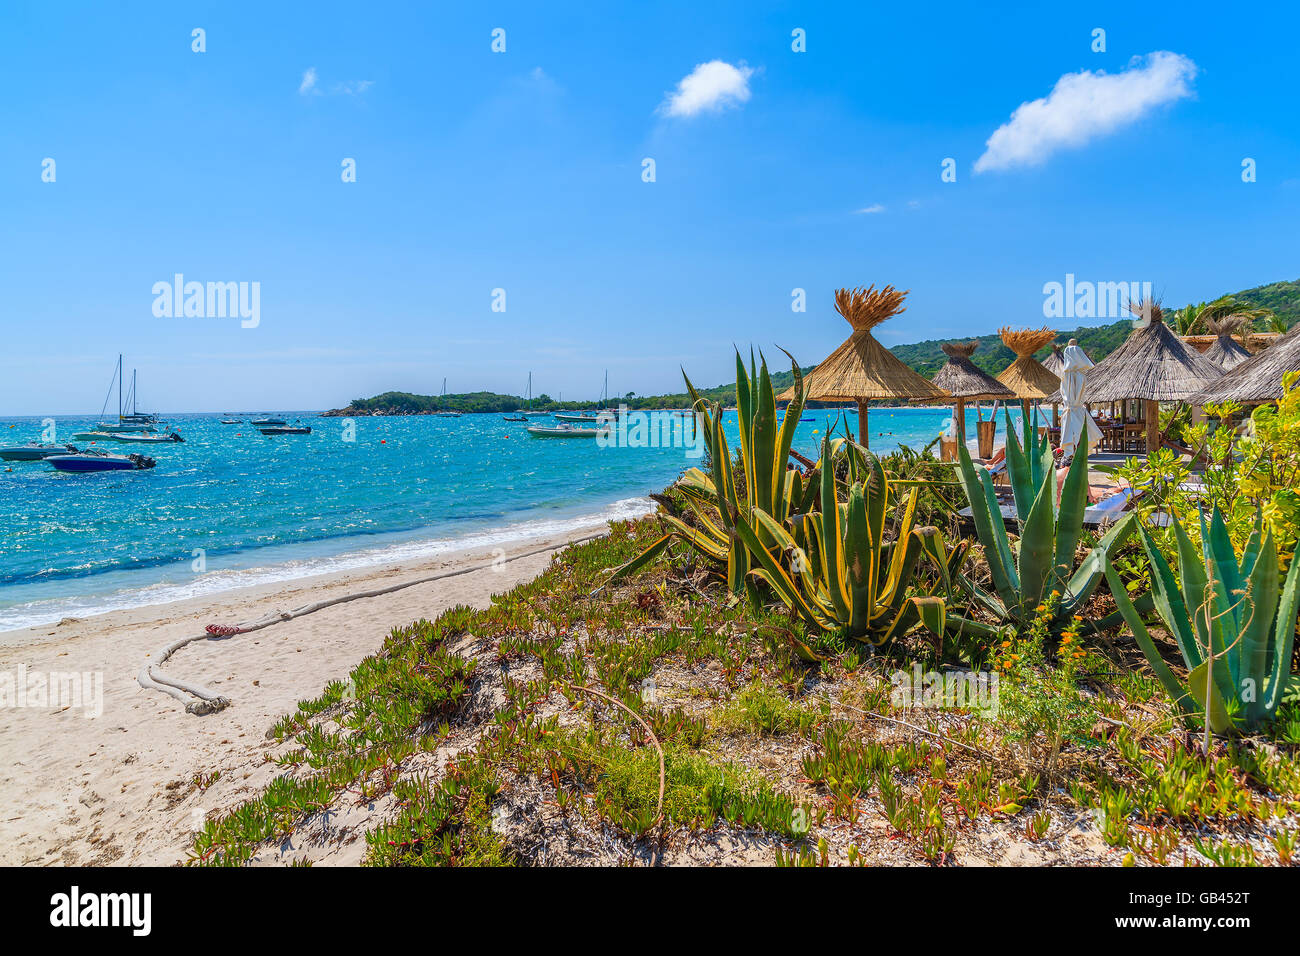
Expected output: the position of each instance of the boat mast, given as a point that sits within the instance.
(119, 387)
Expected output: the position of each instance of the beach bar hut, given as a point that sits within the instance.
(960, 378)
(1026, 376)
(1152, 365)
(1258, 379)
(1226, 352)
(862, 370)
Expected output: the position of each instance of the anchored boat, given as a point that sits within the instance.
(564, 431)
(147, 439)
(286, 430)
(100, 461)
(33, 451)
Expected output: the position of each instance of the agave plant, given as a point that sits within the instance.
(843, 575)
(1233, 623)
(1024, 576)
(720, 504)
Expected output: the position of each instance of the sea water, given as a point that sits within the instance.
(230, 507)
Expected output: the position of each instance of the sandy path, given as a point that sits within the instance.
(119, 788)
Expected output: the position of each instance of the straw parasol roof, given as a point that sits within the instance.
(1153, 364)
(1054, 363)
(862, 369)
(962, 379)
(1259, 378)
(1026, 376)
(1225, 351)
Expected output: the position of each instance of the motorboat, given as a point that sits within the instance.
(582, 418)
(147, 438)
(33, 451)
(514, 418)
(286, 430)
(99, 461)
(232, 421)
(565, 431)
(261, 422)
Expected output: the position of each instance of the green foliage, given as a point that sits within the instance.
(1038, 704)
(1250, 474)
(1043, 563)
(1232, 618)
(724, 504)
(841, 574)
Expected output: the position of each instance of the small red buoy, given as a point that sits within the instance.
(383, 441)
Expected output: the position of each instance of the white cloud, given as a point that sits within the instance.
(870, 210)
(353, 89)
(310, 85)
(1085, 105)
(710, 86)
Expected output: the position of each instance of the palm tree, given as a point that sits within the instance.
(1188, 318)
(1270, 321)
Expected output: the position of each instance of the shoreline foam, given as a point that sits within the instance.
(49, 611)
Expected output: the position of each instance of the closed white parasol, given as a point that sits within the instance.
(1074, 368)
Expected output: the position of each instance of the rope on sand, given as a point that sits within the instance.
(202, 700)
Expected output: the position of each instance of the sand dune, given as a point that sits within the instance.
(130, 785)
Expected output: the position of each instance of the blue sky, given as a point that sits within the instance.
(522, 171)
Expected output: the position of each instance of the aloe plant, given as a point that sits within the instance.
(1029, 462)
(1043, 559)
(718, 503)
(843, 575)
(1233, 619)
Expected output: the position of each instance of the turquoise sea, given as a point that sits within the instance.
(230, 507)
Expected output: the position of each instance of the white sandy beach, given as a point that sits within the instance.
(120, 788)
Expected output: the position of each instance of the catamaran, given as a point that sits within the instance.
(445, 414)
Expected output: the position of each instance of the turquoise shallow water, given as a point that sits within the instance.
(262, 508)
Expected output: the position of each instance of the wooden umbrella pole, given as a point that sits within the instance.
(863, 432)
(1153, 425)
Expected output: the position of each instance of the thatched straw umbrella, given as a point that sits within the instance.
(1152, 365)
(1259, 378)
(965, 382)
(1054, 363)
(1026, 376)
(862, 369)
(1226, 352)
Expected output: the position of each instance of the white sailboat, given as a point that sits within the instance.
(124, 423)
(445, 414)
